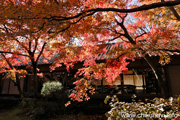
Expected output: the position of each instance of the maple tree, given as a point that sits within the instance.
(141, 32)
(21, 48)
(79, 30)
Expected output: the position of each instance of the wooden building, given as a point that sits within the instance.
(139, 79)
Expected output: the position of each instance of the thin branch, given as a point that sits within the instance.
(29, 46)
(126, 34)
(174, 11)
(61, 30)
(115, 37)
(7, 31)
(123, 53)
(42, 49)
(14, 53)
(123, 17)
(83, 17)
(144, 32)
(71, 23)
(21, 44)
(115, 31)
(40, 28)
(10, 65)
(140, 35)
(36, 44)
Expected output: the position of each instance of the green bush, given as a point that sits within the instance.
(51, 87)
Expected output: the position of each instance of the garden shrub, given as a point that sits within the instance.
(49, 105)
(51, 87)
(53, 92)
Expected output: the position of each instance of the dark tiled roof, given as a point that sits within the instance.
(102, 56)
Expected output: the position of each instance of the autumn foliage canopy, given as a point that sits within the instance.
(80, 30)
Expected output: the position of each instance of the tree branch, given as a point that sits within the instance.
(115, 37)
(36, 44)
(126, 34)
(14, 53)
(42, 49)
(141, 8)
(21, 44)
(40, 28)
(144, 32)
(174, 11)
(29, 46)
(83, 17)
(7, 31)
(10, 65)
(114, 30)
(85, 13)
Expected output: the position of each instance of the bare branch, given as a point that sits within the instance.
(144, 32)
(115, 37)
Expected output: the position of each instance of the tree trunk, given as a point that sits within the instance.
(34, 64)
(157, 75)
(19, 87)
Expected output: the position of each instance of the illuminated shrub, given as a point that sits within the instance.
(51, 87)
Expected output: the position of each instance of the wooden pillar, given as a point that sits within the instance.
(122, 84)
(102, 86)
(9, 86)
(25, 84)
(65, 80)
(166, 73)
(134, 82)
(143, 78)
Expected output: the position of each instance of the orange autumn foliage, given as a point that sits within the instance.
(81, 30)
